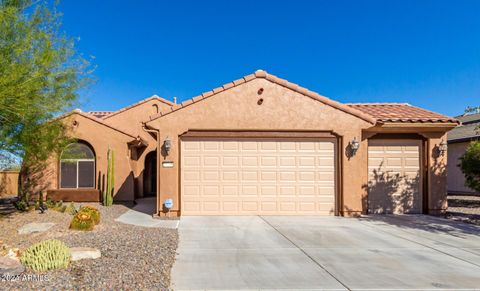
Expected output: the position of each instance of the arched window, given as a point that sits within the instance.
(77, 167)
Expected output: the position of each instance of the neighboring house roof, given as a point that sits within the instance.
(100, 114)
(154, 97)
(469, 118)
(401, 112)
(468, 130)
(276, 80)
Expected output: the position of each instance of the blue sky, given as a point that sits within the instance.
(426, 53)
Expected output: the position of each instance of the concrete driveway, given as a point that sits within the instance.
(328, 253)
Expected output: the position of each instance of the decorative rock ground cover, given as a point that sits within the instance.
(132, 257)
(81, 253)
(35, 227)
(464, 208)
(10, 267)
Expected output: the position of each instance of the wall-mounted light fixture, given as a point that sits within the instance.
(354, 145)
(167, 145)
(443, 147)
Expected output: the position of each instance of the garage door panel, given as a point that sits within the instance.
(211, 176)
(268, 146)
(289, 146)
(250, 161)
(287, 162)
(306, 177)
(268, 161)
(210, 146)
(257, 177)
(209, 161)
(308, 147)
(394, 176)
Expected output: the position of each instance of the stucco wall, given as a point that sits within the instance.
(101, 138)
(455, 177)
(131, 120)
(282, 109)
(437, 175)
(8, 184)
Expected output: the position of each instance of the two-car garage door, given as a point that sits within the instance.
(257, 176)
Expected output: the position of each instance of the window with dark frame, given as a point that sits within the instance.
(77, 167)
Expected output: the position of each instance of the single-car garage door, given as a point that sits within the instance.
(395, 184)
(257, 176)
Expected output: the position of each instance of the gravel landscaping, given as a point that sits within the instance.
(464, 208)
(132, 257)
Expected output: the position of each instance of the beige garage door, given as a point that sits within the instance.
(395, 184)
(246, 177)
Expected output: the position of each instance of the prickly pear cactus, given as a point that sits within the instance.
(46, 255)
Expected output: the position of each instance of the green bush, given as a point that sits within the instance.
(94, 213)
(50, 203)
(46, 255)
(21, 205)
(470, 165)
(55, 205)
(82, 221)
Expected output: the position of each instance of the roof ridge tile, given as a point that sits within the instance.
(281, 82)
(153, 97)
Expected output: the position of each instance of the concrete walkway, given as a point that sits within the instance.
(141, 215)
(328, 253)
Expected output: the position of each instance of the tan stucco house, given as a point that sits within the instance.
(260, 145)
(458, 140)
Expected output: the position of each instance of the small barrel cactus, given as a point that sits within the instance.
(46, 255)
(94, 213)
(82, 221)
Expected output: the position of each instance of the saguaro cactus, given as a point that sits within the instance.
(108, 194)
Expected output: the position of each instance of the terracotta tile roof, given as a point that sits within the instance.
(100, 114)
(273, 79)
(154, 97)
(401, 112)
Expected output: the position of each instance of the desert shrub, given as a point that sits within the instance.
(94, 213)
(82, 221)
(50, 203)
(61, 208)
(21, 205)
(55, 205)
(46, 255)
(70, 209)
(470, 165)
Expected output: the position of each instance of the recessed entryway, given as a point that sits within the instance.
(150, 175)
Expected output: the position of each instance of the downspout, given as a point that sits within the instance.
(157, 134)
